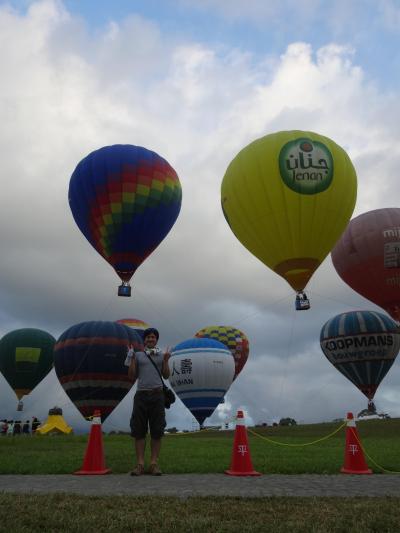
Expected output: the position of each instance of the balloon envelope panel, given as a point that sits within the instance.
(89, 362)
(124, 199)
(138, 325)
(367, 258)
(288, 197)
(234, 339)
(26, 357)
(202, 371)
(362, 345)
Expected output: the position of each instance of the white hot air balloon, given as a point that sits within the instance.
(202, 371)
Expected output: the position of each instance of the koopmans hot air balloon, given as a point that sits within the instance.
(89, 360)
(288, 197)
(234, 339)
(26, 357)
(362, 345)
(201, 372)
(367, 258)
(125, 200)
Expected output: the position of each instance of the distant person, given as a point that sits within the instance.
(17, 427)
(3, 427)
(26, 428)
(148, 404)
(10, 428)
(35, 424)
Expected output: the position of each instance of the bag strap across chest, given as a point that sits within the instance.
(156, 367)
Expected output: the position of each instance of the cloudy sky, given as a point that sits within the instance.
(196, 81)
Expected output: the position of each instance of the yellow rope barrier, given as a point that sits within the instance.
(301, 445)
(297, 445)
(266, 438)
(370, 458)
(322, 439)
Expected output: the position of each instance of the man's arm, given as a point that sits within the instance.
(132, 370)
(165, 367)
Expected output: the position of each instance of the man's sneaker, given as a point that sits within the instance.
(154, 470)
(138, 470)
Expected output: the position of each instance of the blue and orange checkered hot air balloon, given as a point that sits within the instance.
(125, 200)
(234, 339)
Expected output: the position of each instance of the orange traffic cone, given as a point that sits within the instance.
(93, 463)
(354, 461)
(241, 464)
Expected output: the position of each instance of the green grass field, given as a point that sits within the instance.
(207, 451)
(210, 451)
(66, 513)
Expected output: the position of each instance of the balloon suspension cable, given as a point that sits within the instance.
(287, 355)
(350, 306)
(262, 309)
(171, 325)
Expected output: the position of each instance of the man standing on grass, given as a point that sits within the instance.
(148, 404)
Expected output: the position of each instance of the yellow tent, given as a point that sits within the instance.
(55, 423)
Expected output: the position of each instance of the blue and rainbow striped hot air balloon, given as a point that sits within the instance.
(202, 371)
(89, 362)
(362, 345)
(124, 199)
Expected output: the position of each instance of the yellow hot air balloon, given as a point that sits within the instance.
(288, 197)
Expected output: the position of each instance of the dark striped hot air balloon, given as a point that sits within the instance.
(26, 357)
(125, 200)
(89, 362)
(362, 345)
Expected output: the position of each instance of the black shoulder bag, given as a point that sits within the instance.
(169, 396)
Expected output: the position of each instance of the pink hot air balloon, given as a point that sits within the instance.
(367, 258)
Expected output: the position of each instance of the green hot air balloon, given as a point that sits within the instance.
(26, 357)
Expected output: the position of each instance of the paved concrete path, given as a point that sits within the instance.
(185, 485)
